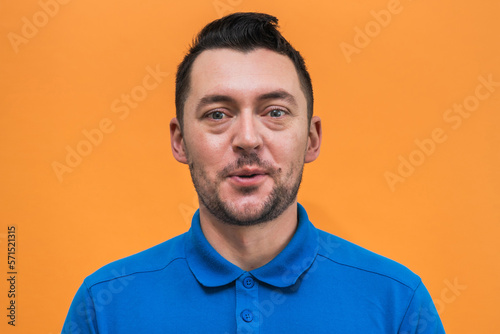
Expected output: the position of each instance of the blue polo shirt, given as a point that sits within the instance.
(318, 284)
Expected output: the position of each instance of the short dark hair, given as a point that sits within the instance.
(242, 32)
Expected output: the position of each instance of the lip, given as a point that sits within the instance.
(248, 177)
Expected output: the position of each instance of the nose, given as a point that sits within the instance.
(247, 136)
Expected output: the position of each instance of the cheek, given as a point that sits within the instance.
(207, 151)
(289, 148)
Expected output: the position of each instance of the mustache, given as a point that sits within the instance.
(251, 159)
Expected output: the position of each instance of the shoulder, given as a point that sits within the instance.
(150, 260)
(342, 253)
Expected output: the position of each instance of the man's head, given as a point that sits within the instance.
(247, 130)
(242, 32)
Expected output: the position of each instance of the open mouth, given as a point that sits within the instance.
(248, 176)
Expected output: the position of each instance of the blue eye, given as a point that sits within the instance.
(217, 115)
(276, 113)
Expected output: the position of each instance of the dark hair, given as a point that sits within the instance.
(243, 32)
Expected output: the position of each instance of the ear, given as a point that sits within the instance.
(314, 140)
(177, 141)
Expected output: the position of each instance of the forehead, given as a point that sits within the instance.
(243, 74)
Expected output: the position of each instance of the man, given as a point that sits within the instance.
(252, 262)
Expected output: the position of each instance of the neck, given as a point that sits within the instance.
(249, 247)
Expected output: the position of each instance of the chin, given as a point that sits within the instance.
(248, 205)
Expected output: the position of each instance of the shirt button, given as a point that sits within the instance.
(248, 282)
(247, 315)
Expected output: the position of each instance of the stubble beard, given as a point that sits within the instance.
(283, 194)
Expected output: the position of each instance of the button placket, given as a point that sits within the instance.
(247, 315)
(247, 320)
(248, 282)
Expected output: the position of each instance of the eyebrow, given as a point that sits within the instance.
(278, 95)
(274, 95)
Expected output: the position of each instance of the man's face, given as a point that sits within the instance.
(246, 134)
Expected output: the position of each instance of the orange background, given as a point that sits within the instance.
(128, 193)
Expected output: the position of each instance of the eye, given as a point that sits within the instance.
(216, 115)
(276, 113)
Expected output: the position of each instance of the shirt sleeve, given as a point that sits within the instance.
(81, 318)
(421, 316)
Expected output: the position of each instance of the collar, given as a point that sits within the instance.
(212, 270)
